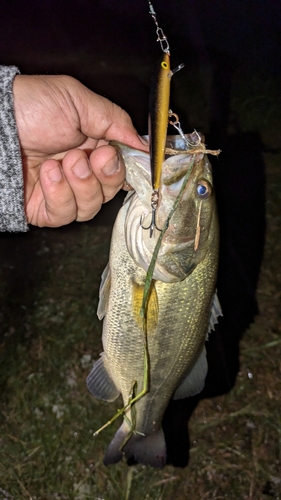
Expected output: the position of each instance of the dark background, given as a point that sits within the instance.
(110, 45)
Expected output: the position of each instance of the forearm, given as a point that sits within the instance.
(12, 214)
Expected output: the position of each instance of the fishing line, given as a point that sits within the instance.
(160, 34)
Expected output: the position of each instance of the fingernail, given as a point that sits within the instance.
(81, 168)
(111, 166)
(55, 174)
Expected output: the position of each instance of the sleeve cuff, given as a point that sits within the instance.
(12, 214)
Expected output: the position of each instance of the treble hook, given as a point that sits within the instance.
(176, 124)
(154, 205)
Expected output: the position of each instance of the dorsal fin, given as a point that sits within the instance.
(194, 382)
(214, 313)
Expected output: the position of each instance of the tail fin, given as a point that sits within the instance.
(146, 450)
(113, 453)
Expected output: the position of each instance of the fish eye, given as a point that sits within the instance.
(164, 65)
(203, 189)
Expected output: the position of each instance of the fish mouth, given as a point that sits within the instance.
(173, 237)
(177, 244)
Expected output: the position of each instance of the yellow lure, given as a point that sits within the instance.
(158, 117)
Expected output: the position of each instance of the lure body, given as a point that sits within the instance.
(158, 117)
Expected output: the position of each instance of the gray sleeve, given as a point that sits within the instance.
(12, 215)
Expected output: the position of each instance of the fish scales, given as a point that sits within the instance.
(176, 340)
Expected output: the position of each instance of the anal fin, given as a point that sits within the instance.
(100, 384)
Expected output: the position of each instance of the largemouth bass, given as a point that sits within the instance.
(182, 306)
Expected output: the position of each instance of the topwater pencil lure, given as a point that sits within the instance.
(159, 100)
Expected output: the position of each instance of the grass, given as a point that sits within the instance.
(48, 419)
(51, 336)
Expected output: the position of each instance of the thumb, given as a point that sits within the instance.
(102, 119)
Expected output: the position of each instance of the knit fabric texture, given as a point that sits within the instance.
(12, 215)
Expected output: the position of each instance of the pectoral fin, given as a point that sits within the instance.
(195, 380)
(104, 292)
(152, 306)
(100, 384)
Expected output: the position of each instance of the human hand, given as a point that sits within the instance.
(64, 128)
